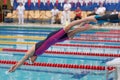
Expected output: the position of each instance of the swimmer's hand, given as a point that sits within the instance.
(12, 69)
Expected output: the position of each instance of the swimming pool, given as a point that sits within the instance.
(62, 61)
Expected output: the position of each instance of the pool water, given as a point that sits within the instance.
(23, 38)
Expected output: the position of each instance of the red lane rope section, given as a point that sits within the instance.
(114, 30)
(83, 45)
(115, 33)
(84, 39)
(90, 46)
(13, 50)
(68, 53)
(56, 65)
(83, 53)
(98, 36)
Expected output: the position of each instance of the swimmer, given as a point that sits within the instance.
(54, 37)
(99, 19)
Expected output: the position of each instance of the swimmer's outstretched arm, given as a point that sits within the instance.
(14, 67)
(18, 64)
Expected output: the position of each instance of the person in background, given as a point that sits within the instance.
(101, 10)
(55, 15)
(20, 11)
(66, 13)
(78, 13)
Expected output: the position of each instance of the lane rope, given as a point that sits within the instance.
(66, 53)
(56, 65)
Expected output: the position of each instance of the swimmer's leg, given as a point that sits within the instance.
(59, 36)
(79, 29)
(71, 33)
(77, 22)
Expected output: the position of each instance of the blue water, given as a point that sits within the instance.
(49, 73)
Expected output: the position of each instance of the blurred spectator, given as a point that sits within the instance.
(115, 12)
(101, 10)
(20, 10)
(93, 13)
(66, 13)
(78, 13)
(55, 15)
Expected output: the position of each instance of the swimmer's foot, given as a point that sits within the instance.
(32, 59)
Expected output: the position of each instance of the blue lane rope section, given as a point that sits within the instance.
(22, 32)
(27, 30)
(88, 42)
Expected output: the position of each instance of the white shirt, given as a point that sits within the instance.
(101, 10)
(114, 13)
(20, 9)
(67, 7)
(54, 12)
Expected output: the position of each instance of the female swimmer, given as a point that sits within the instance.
(54, 37)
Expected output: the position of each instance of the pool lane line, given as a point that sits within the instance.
(82, 39)
(65, 53)
(28, 30)
(22, 37)
(1, 49)
(29, 27)
(57, 57)
(48, 28)
(57, 65)
(6, 42)
(38, 31)
(65, 45)
(70, 41)
(99, 36)
(23, 33)
(105, 33)
(43, 37)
